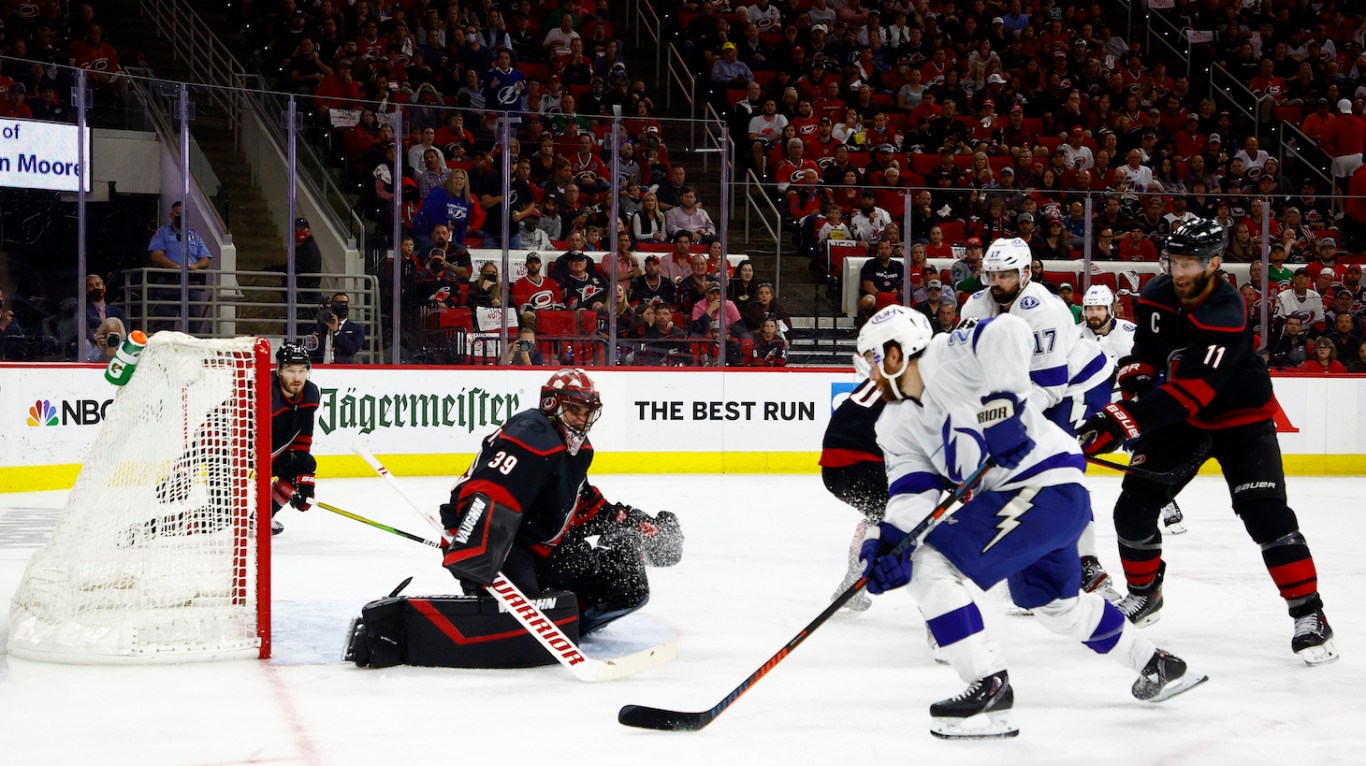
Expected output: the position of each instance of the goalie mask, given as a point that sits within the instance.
(909, 329)
(570, 400)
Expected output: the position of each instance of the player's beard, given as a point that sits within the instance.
(1095, 323)
(1195, 287)
(292, 388)
(1003, 300)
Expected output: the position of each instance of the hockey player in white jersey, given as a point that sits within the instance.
(1116, 338)
(955, 401)
(1070, 374)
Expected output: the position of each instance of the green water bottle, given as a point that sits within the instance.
(120, 368)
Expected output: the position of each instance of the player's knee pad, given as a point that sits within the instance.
(1267, 519)
(481, 532)
(292, 463)
(943, 597)
(1081, 618)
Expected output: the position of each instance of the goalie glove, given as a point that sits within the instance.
(659, 538)
(1107, 430)
(302, 498)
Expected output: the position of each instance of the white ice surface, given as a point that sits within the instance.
(763, 555)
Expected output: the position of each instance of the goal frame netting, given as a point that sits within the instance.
(162, 551)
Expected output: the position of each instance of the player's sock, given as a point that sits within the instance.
(982, 711)
(1313, 639)
(1094, 579)
(1143, 605)
(1172, 519)
(1164, 677)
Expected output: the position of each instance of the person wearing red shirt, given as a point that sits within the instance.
(99, 59)
(1014, 133)
(1137, 247)
(1343, 140)
(1191, 142)
(338, 90)
(796, 169)
(1323, 359)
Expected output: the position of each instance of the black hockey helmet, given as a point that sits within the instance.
(1201, 238)
(292, 353)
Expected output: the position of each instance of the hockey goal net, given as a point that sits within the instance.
(157, 555)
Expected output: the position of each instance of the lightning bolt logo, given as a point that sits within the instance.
(1010, 515)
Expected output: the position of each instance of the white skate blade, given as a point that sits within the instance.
(1319, 655)
(1179, 686)
(994, 725)
(1175, 528)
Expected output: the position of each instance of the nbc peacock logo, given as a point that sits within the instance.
(42, 413)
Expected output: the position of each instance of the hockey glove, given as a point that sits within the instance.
(302, 499)
(659, 539)
(1135, 378)
(885, 571)
(1107, 430)
(1007, 441)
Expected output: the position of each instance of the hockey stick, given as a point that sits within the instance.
(376, 524)
(1177, 475)
(544, 630)
(645, 717)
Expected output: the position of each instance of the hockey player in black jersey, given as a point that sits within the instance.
(1194, 373)
(853, 471)
(525, 508)
(294, 403)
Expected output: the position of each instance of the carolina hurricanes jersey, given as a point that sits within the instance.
(851, 436)
(1214, 377)
(291, 420)
(936, 441)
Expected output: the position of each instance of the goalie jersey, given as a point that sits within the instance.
(935, 442)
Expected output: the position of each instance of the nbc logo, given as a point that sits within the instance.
(42, 413)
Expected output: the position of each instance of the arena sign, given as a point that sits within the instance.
(42, 155)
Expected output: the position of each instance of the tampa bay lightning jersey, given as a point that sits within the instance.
(1063, 364)
(935, 442)
(1118, 342)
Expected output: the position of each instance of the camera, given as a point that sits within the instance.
(113, 340)
(525, 345)
(326, 317)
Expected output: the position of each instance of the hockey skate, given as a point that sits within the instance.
(1313, 640)
(1094, 579)
(1143, 606)
(1172, 519)
(982, 711)
(1164, 677)
(276, 527)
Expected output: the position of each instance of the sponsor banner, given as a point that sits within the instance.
(50, 414)
(42, 155)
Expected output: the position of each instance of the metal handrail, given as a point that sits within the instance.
(757, 199)
(153, 294)
(649, 21)
(1293, 131)
(1216, 69)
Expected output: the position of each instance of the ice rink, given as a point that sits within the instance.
(763, 555)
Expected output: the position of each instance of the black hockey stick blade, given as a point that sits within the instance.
(644, 717)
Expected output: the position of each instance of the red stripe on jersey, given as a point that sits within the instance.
(1183, 398)
(1241, 417)
(428, 609)
(1242, 325)
(495, 492)
(302, 443)
(534, 451)
(1198, 388)
(1156, 305)
(1140, 573)
(839, 458)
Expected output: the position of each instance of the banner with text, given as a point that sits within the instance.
(42, 155)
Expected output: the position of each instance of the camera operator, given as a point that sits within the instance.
(105, 340)
(439, 282)
(523, 352)
(457, 257)
(339, 339)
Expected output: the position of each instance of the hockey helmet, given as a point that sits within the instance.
(1201, 238)
(292, 353)
(1098, 295)
(571, 385)
(909, 329)
(1008, 255)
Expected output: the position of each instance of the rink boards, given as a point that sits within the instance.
(429, 421)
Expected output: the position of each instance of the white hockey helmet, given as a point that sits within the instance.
(1098, 295)
(1008, 255)
(906, 327)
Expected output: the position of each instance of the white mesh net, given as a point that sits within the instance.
(155, 556)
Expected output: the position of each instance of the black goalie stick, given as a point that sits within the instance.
(645, 717)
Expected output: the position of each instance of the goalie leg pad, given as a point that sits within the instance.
(609, 582)
(456, 632)
(481, 533)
